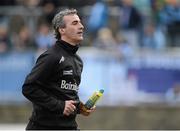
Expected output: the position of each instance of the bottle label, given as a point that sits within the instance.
(92, 100)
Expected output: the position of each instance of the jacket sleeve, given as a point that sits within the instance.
(33, 87)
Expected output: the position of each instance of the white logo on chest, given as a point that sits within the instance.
(69, 86)
(68, 72)
(61, 60)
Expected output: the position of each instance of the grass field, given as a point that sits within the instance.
(142, 117)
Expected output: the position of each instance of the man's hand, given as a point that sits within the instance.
(84, 111)
(69, 107)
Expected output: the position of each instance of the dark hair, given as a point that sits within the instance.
(58, 21)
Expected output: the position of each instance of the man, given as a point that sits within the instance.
(52, 85)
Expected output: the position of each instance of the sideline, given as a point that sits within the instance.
(14, 127)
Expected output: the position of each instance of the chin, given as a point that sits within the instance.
(80, 39)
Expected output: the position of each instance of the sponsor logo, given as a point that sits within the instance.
(69, 86)
(61, 60)
(68, 72)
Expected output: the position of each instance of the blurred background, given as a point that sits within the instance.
(131, 49)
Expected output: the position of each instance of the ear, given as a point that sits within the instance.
(61, 30)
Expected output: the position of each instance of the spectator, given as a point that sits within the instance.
(49, 9)
(7, 2)
(172, 95)
(153, 38)
(170, 18)
(28, 3)
(124, 48)
(129, 22)
(4, 40)
(15, 23)
(105, 40)
(23, 40)
(130, 18)
(98, 17)
(44, 39)
(156, 7)
(144, 7)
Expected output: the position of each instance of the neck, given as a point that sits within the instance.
(70, 42)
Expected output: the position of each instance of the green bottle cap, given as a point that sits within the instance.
(102, 91)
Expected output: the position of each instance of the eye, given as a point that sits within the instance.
(74, 22)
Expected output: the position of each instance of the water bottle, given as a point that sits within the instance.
(93, 99)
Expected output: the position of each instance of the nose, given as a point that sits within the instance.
(81, 26)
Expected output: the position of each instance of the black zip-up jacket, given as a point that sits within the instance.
(53, 80)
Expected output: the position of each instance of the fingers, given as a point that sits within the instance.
(69, 107)
(91, 110)
(87, 112)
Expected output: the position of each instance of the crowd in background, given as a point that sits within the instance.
(114, 25)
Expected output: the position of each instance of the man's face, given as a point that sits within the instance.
(73, 31)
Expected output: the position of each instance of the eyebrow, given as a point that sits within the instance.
(76, 21)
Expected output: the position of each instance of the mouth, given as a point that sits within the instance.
(80, 33)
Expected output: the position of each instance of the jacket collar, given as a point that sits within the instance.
(70, 48)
